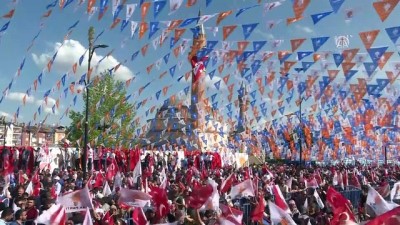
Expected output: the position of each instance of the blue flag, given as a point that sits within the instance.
(393, 33)
(158, 94)
(370, 67)
(166, 58)
(73, 26)
(211, 74)
(350, 74)
(306, 65)
(217, 84)
(338, 59)
(189, 21)
(336, 4)
(208, 2)
(67, 3)
(103, 4)
(172, 71)
(134, 55)
(5, 26)
(302, 55)
(158, 7)
(211, 44)
(248, 29)
(317, 17)
(318, 42)
(124, 24)
(257, 45)
(240, 11)
(376, 53)
(153, 28)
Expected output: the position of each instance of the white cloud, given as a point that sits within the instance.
(19, 96)
(305, 29)
(7, 115)
(70, 53)
(47, 108)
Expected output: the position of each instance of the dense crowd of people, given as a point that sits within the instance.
(197, 189)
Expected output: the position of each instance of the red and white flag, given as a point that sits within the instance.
(279, 199)
(227, 183)
(230, 216)
(384, 190)
(395, 192)
(138, 216)
(311, 183)
(54, 215)
(279, 216)
(133, 198)
(88, 218)
(391, 217)
(106, 189)
(244, 188)
(213, 202)
(76, 201)
(377, 203)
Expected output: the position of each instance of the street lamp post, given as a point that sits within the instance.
(301, 131)
(91, 50)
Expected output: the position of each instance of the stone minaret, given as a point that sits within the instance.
(197, 105)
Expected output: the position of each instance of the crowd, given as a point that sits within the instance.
(160, 188)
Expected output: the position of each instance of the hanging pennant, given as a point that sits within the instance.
(317, 17)
(174, 5)
(130, 9)
(227, 30)
(248, 29)
(9, 15)
(336, 4)
(393, 33)
(115, 23)
(158, 6)
(144, 9)
(143, 29)
(318, 42)
(368, 37)
(384, 8)
(144, 49)
(376, 53)
(223, 15)
(191, 3)
(153, 28)
(91, 3)
(134, 26)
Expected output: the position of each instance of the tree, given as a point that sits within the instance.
(110, 115)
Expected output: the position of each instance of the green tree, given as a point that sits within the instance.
(110, 115)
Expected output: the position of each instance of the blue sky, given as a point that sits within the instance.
(27, 21)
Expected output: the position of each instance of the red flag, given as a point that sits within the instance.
(138, 216)
(160, 200)
(230, 215)
(391, 217)
(340, 206)
(55, 215)
(199, 196)
(258, 213)
(112, 170)
(227, 183)
(279, 200)
(10, 14)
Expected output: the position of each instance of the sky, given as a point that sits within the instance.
(28, 21)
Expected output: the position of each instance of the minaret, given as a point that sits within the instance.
(197, 106)
(240, 127)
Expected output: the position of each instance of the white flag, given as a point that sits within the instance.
(130, 9)
(134, 26)
(395, 193)
(174, 5)
(106, 189)
(377, 203)
(76, 201)
(88, 218)
(278, 215)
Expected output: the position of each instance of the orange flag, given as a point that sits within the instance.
(226, 79)
(293, 20)
(384, 8)
(347, 66)
(221, 68)
(383, 60)
(282, 54)
(149, 68)
(191, 3)
(74, 67)
(177, 50)
(145, 8)
(49, 64)
(299, 6)
(165, 90)
(47, 14)
(242, 45)
(115, 23)
(223, 15)
(144, 49)
(332, 74)
(227, 30)
(368, 37)
(296, 43)
(174, 24)
(178, 33)
(91, 3)
(143, 29)
(349, 54)
(10, 14)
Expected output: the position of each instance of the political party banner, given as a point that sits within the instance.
(76, 201)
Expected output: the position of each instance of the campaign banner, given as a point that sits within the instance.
(76, 201)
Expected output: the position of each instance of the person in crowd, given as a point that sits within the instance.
(7, 216)
(19, 217)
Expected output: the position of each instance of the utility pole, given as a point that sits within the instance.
(301, 131)
(91, 50)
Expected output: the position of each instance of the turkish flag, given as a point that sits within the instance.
(160, 199)
(199, 196)
(391, 217)
(138, 216)
(112, 170)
